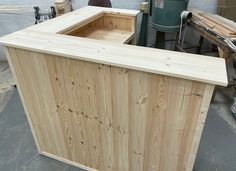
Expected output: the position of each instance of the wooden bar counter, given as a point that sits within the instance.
(96, 102)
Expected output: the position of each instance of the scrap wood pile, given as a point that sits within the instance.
(216, 24)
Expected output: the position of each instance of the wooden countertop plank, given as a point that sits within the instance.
(182, 65)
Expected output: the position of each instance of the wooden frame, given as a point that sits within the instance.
(103, 105)
(108, 27)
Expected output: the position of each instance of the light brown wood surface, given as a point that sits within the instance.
(111, 28)
(182, 65)
(111, 118)
(108, 106)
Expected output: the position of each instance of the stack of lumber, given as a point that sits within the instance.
(215, 23)
(227, 9)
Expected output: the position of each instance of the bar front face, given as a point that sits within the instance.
(111, 118)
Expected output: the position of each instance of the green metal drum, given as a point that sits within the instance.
(165, 14)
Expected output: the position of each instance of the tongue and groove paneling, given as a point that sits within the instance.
(111, 118)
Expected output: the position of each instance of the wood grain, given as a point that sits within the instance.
(110, 118)
(110, 28)
(103, 105)
(79, 17)
(187, 66)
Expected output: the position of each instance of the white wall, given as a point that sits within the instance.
(13, 22)
(204, 5)
(127, 4)
(209, 6)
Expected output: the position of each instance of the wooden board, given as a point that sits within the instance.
(79, 17)
(182, 65)
(111, 118)
(216, 23)
(115, 35)
(112, 28)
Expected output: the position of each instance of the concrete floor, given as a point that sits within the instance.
(18, 152)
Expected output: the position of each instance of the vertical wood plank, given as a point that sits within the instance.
(159, 88)
(175, 118)
(79, 87)
(59, 90)
(91, 113)
(42, 84)
(30, 93)
(138, 100)
(16, 72)
(197, 93)
(200, 125)
(120, 110)
(65, 77)
(103, 80)
(35, 101)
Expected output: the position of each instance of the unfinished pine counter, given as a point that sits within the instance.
(96, 102)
